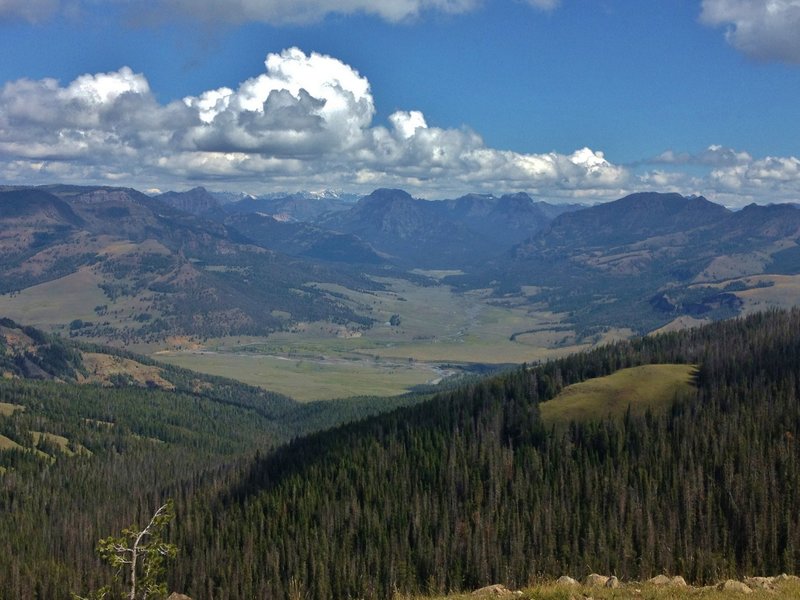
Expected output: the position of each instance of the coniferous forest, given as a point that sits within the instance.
(467, 488)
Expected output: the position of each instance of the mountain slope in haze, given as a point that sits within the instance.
(507, 220)
(304, 239)
(153, 270)
(648, 258)
(409, 230)
(631, 219)
(440, 234)
(473, 488)
(301, 206)
(197, 201)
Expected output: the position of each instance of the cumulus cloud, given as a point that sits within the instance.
(762, 29)
(307, 120)
(773, 175)
(732, 177)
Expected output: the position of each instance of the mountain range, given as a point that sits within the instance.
(189, 263)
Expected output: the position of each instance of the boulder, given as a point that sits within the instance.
(677, 581)
(612, 582)
(763, 583)
(177, 596)
(566, 580)
(664, 580)
(493, 590)
(594, 579)
(731, 585)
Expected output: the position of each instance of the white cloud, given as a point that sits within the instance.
(307, 120)
(772, 175)
(307, 11)
(732, 177)
(714, 156)
(762, 29)
(544, 4)
(276, 12)
(33, 11)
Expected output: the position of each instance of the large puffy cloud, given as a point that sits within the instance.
(763, 29)
(303, 104)
(307, 121)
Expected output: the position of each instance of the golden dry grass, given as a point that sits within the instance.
(8, 444)
(102, 367)
(646, 387)
(59, 301)
(782, 590)
(58, 440)
(6, 409)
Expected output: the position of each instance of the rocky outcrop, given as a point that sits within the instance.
(731, 585)
(760, 583)
(664, 580)
(495, 590)
(595, 580)
(567, 580)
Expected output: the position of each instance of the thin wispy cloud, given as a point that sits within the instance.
(274, 12)
(32, 11)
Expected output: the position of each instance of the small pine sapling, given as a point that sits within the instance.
(139, 557)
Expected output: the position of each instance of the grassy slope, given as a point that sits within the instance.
(785, 590)
(7, 409)
(8, 444)
(309, 378)
(648, 386)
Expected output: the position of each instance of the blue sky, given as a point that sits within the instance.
(569, 100)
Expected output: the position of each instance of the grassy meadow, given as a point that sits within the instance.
(651, 387)
(439, 330)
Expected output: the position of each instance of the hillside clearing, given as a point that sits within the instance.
(647, 387)
(8, 444)
(6, 409)
(58, 440)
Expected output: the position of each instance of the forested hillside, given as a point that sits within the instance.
(472, 488)
(84, 453)
(468, 488)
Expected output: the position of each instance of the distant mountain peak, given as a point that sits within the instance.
(387, 194)
(196, 201)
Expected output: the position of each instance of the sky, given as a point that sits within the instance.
(568, 100)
